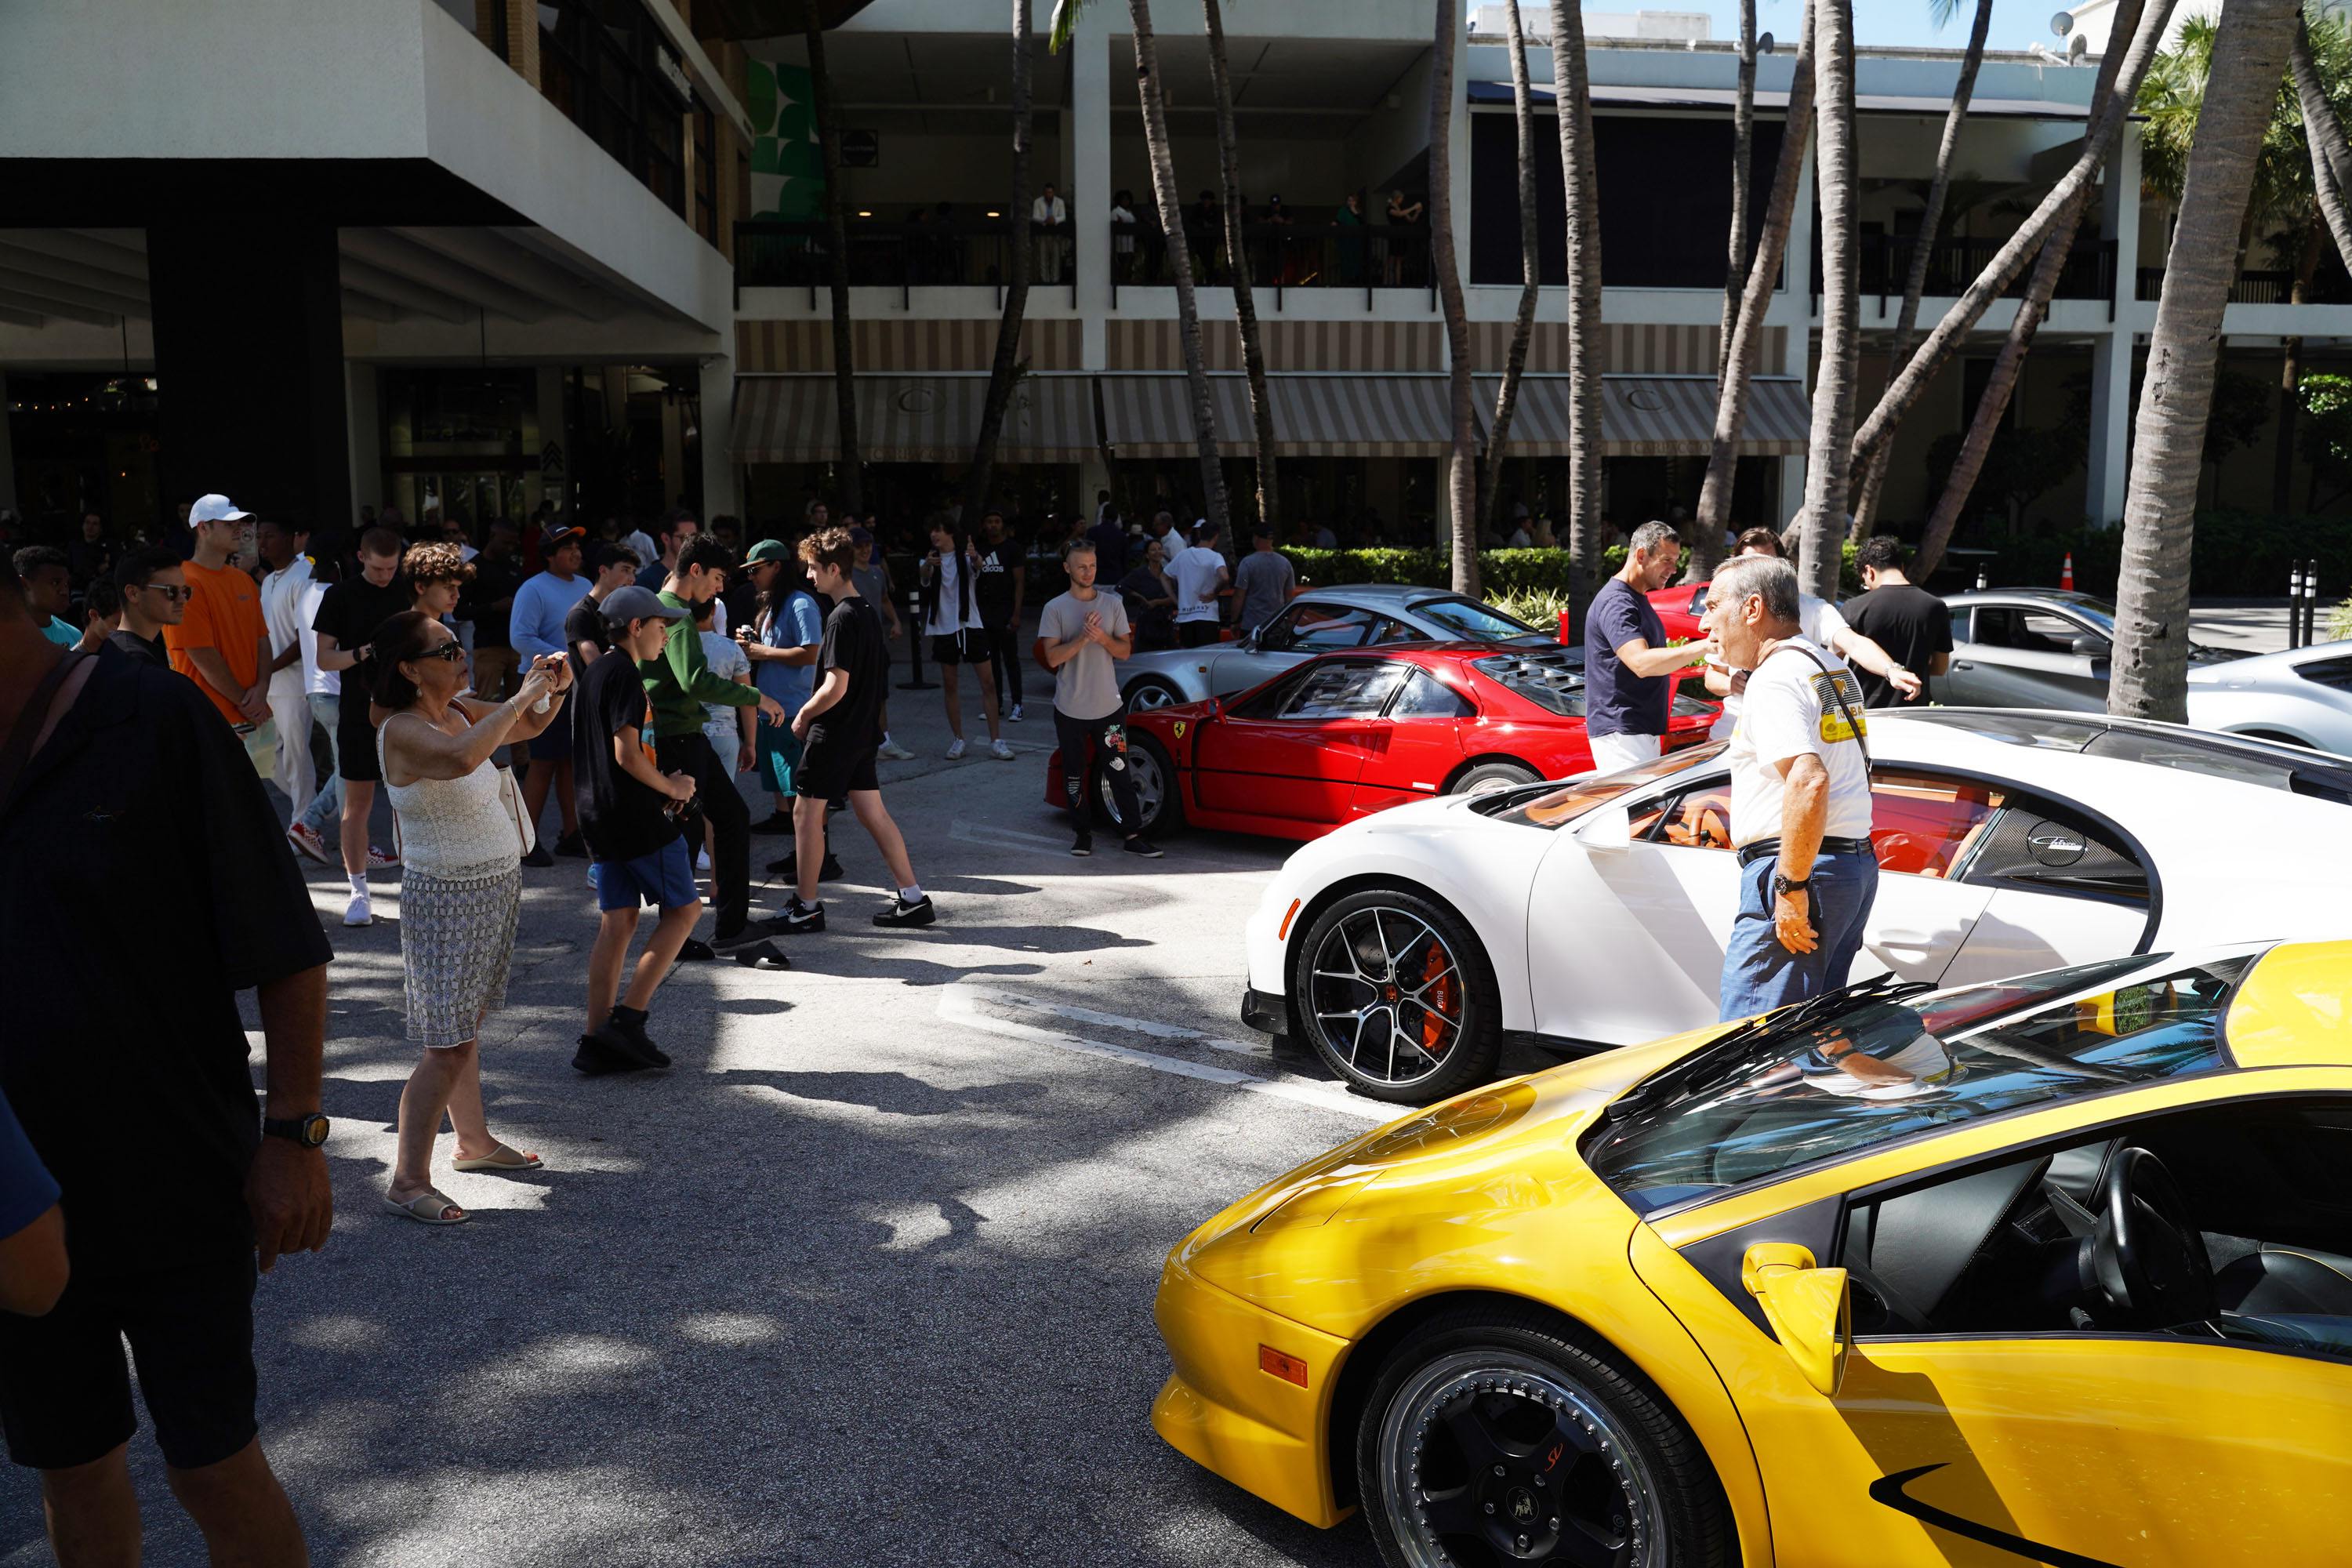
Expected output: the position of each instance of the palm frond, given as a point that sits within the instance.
(1066, 24)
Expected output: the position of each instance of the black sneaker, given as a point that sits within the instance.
(573, 845)
(539, 855)
(625, 1034)
(1140, 844)
(776, 822)
(798, 921)
(1084, 842)
(902, 914)
(596, 1059)
(695, 951)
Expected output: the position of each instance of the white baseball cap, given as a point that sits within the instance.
(213, 509)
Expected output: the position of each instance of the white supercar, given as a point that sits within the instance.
(1405, 948)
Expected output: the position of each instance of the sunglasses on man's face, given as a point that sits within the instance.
(174, 594)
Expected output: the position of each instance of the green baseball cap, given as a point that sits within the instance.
(768, 549)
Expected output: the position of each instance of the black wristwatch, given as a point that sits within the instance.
(309, 1131)
(1781, 884)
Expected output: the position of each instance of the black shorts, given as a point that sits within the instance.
(830, 769)
(355, 745)
(1198, 634)
(963, 647)
(553, 744)
(65, 1386)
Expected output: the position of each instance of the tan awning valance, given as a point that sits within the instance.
(910, 419)
(1653, 416)
(1151, 415)
(783, 419)
(1361, 415)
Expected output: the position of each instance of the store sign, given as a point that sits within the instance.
(673, 72)
(861, 150)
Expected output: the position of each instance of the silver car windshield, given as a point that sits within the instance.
(1850, 1073)
(1476, 622)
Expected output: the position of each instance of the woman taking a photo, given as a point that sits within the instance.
(461, 886)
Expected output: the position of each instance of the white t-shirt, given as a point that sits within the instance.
(1819, 624)
(1789, 712)
(1053, 211)
(281, 612)
(1195, 571)
(949, 614)
(1171, 545)
(316, 681)
(727, 660)
(642, 544)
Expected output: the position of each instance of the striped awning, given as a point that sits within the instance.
(1653, 416)
(910, 419)
(1151, 415)
(1362, 415)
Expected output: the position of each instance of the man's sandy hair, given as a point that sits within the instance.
(832, 547)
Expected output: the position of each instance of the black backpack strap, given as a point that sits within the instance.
(1852, 721)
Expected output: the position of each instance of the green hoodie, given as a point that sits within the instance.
(679, 682)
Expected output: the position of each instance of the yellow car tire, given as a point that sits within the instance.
(1495, 1436)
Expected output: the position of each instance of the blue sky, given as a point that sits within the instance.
(2015, 22)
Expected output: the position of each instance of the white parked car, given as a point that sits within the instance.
(1406, 947)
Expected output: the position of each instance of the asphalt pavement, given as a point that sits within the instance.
(867, 1277)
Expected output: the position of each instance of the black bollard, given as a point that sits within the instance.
(915, 681)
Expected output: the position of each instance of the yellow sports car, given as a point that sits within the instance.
(2057, 1270)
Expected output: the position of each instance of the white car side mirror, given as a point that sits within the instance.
(1610, 827)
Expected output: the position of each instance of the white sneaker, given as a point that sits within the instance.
(702, 861)
(1015, 715)
(359, 911)
(956, 749)
(1000, 751)
(892, 751)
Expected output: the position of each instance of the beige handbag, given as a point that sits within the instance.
(510, 797)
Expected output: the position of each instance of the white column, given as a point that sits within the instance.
(1458, 137)
(7, 452)
(2107, 476)
(364, 426)
(1086, 131)
(720, 492)
(1796, 302)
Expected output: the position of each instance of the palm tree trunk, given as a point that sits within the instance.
(1821, 528)
(1912, 381)
(2031, 311)
(1923, 251)
(1580, 176)
(1180, 257)
(2151, 656)
(1006, 367)
(1462, 498)
(1229, 179)
(1746, 343)
(1523, 325)
(1743, 151)
(2331, 160)
(844, 369)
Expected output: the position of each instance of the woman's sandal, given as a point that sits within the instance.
(502, 1158)
(428, 1207)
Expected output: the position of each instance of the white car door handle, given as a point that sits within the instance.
(1921, 943)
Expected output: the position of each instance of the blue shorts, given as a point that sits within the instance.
(664, 878)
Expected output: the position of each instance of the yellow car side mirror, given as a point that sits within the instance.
(1810, 1310)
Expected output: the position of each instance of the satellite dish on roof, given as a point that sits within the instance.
(2063, 23)
(1763, 43)
(2078, 46)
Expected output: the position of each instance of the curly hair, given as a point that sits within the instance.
(833, 547)
(436, 562)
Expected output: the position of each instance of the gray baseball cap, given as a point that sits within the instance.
(635, 603)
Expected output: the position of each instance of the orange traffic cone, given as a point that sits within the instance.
(2066, 573)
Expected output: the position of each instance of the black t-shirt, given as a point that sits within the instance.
(126, 1060)
(1911, 625)
(584, 622)
(150, 650)
(992, 590)
(621, 817)
(1616, 700)
(492, 581)
(854, 641)
(351, 612)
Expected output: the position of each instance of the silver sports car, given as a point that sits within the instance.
(2037, 648)
(1319, 620)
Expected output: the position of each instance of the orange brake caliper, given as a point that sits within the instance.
(1438, 1002)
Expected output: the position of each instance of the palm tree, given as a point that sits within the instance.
(1005, 369)
(2151, 653)
(1462, 487)
(2039, 289)
(1911, 382)
(1744, 342)
(2331, 159)
(845, 372)
(1580, 178)
(1523, 324)
(1931, 225)
(1743, 151)
(1229, 181)
(1821, 528)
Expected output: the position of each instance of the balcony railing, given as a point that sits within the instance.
(771, 253)
(1280, 257)
(2264, 287)
(1954, 264)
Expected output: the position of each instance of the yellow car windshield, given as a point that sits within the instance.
(1830, 1083)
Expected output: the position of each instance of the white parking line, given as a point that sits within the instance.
(962, 1003)
(1157, 1031)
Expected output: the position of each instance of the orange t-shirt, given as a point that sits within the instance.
(223, 613)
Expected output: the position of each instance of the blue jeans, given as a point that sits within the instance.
(326, 808)
(1758, 973)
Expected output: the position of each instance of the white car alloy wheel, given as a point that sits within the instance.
(1395, 995)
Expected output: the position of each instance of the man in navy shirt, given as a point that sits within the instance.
(1628, 667)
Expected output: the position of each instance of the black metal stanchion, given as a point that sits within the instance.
(915, 681)
(2294, 605)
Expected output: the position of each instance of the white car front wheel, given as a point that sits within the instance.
(1396, 995)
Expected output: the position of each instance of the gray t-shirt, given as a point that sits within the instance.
(1262, 583)
(1087, 686)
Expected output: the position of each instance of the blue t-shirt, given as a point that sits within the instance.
(800, 623)
(1616, 700)
(26, 1188)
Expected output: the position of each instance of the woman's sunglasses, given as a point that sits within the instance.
(451, 650)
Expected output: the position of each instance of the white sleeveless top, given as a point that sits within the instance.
(451, 828)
